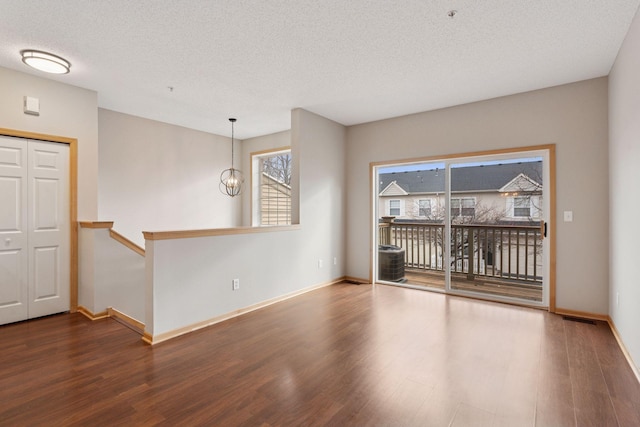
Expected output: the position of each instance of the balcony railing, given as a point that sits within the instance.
(511, 252)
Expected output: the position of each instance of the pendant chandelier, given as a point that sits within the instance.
(231, 179)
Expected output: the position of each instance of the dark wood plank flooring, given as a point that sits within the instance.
(342, 355)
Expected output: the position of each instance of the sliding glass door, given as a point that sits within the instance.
(473, 226)
(411, 227)
(497, 227)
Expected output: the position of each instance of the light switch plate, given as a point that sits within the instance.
(568, 216)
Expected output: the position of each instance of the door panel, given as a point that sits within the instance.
(496, 245)
(13, 293)
(13, 231)
(416, 233)
(46, 283)
(46, 199)
(46, 159)
(10, 213)
(49, 225)
(11, 155)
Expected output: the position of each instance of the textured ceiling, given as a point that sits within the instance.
(352, 61)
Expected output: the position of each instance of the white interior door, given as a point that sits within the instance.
(34, 227)
(48, 228)
(14, 252)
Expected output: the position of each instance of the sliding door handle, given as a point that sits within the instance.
(543, 229)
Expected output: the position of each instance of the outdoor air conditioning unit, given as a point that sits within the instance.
(390, 263)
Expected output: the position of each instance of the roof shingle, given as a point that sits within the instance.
(463, 179)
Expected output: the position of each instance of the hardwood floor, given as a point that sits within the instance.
(341, 355)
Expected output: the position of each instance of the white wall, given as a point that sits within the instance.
(65, 110)
(573, 116)
(156, 176)
(252, 145)
(86, 270)
(189, 280)
(192, 278)
(113, 275)
(624, 166)
(120, 277)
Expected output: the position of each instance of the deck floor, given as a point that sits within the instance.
(493, 287)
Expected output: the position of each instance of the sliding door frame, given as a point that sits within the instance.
(450, 158)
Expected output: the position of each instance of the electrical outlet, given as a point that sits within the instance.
(335, 261)
(617, 299)
(319, 263)
(236, 284)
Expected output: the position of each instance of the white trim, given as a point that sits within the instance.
(399, 191)
(511, 185)
(400, 207)
(430, 200)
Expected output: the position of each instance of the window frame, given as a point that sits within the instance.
(421, 208)
(461, 208)
(257, 214)
(527, 200)
(398, 207)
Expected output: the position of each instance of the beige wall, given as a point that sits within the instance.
(318, 150)
(155, 176)
(573, 116)
(624, 166)
(253, 145)
(65, 110)
(189, 280)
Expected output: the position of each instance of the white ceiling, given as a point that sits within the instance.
(352, 61)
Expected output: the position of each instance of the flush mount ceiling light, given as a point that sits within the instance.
(47, 62)
(231, 179)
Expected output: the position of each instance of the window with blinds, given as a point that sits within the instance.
(274, 187)
(463, 206)
(521, 206)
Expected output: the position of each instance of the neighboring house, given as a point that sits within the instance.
(490, 193)
(275, 201)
